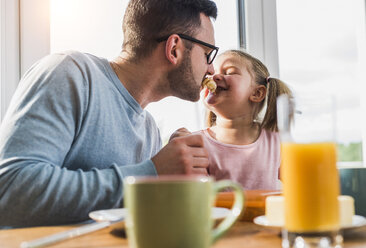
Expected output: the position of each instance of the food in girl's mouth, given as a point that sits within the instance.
(210, 84)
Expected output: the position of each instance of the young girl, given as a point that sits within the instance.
(241, 146)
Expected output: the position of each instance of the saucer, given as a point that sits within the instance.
(357, 222)
(120, 213)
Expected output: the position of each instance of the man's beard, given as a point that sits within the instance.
(181, 80)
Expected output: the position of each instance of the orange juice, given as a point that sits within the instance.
(310, 186)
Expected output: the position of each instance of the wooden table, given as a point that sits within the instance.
(242, 234)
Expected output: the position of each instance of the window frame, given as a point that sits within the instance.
(261, 32)
(9, 52)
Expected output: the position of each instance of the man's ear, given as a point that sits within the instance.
(174, 49)
(258, 94)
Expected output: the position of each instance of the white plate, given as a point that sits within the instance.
(357, 221)
(120, 213)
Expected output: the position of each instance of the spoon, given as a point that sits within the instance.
(76, 232)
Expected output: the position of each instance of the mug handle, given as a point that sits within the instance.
(236, 209)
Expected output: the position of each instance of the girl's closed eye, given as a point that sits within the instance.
(231, 72)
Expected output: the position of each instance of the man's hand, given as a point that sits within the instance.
(179, 133)
(182, 155)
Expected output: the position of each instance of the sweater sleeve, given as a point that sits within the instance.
(44, 116)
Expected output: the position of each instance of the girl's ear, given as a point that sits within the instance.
(258, 94)
(174, 49)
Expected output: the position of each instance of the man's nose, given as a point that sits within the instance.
(210, 70)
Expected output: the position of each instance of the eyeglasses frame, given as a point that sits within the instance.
(187, 37)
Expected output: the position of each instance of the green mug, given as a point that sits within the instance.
(175, 211)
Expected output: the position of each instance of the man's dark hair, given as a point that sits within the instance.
(147, 20)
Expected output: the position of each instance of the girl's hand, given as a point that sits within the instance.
(179, 133)
(184, 155)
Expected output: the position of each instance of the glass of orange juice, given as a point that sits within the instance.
(308, 172)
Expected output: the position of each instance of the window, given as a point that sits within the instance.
(322, 49)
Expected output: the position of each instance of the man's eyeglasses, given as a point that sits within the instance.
(210, 56)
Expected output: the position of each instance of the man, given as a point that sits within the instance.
(76, 125)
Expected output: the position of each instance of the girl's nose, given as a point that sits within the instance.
(217, 77)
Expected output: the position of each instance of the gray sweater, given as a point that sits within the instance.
(71, 134)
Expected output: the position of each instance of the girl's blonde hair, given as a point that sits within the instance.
(275, 87)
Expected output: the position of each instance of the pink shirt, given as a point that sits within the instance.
(254, 166)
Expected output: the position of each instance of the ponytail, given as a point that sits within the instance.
(275, 88)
